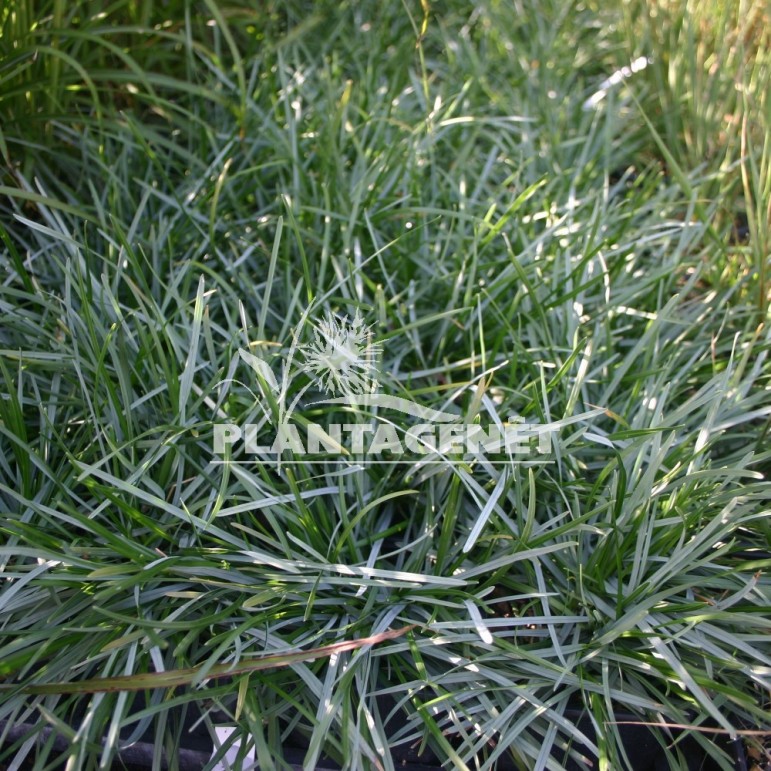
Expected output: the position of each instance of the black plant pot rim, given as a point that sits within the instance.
(140, 755)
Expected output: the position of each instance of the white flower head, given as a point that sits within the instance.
(342, 357)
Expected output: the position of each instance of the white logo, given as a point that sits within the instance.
(342, 356)
(340, 361)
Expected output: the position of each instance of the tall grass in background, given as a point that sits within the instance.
(709, 101)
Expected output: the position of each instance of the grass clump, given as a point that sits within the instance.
(515, 251)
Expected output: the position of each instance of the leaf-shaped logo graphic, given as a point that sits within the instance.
(261, 367)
